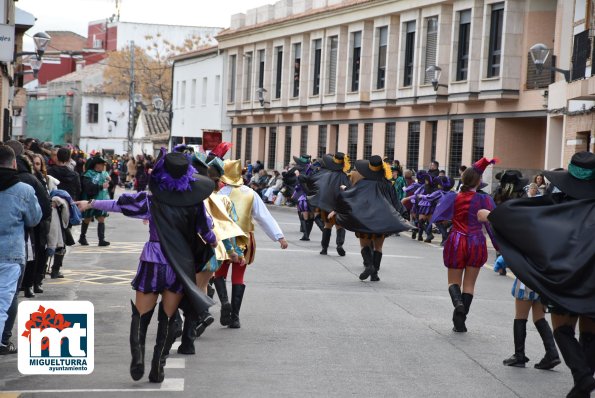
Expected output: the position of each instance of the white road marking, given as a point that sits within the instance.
(264, 249)
(175, 363)
(175, 345)
(167, 385)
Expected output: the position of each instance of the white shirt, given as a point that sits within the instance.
(260, 213)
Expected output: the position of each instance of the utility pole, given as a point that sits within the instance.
(131, 106)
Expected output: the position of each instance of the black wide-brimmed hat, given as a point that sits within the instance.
(372, 169)
(579, 180)
(93, 161)
(514, 177)
(334, 162)
(303, 160)
(174, 182)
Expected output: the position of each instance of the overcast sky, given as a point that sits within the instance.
(74, 15)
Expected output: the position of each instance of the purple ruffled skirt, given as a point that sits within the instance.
(302, 204)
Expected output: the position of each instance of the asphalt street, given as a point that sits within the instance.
(310, 328)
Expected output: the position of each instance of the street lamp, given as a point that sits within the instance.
(436, 71)
(158, 104)
(108, 115)
(41, 40)
(260, 92)
(35, 65)
(539, 54)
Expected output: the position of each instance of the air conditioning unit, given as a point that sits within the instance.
(97, 43)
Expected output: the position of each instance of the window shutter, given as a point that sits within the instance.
(431, 48)
(332, 82)
(580, 53)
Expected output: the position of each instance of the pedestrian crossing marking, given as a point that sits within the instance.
(95, 277)
(113, 248)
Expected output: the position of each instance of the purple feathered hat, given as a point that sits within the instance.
(444, 181)
(421, 175)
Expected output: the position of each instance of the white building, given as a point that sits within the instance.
(198, 99)
(151, 133)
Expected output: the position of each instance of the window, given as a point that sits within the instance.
(332, 64)
(193, 93)
(413, 146)
(232, 79)
(248, 76)
(580, 53)
(431, 46)
(304, 141)
(205, 90)
(261, 55)
(409, 53)
(183, 95)
(248, 150)
(238, 143)
(297, 63)
(272, 147)
(321, 141)
(495, 51)
(92, 113)
(352, 142)
(355, 61)
(287, 145)
(434, 130)
(479, 126)
(279, 71)
(456, 148)
(177, 94)
(389, 140)
(463, 53)
(317, 60)
(335, 128)
(368, 128)
(382, 45)
(217, 88)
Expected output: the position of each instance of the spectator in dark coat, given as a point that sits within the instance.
(70, 181)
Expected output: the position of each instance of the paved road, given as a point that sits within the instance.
(310, 328)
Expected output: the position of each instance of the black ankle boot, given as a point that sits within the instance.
(421, 226)
(377, 259)
(575, 359)
(458, 316)
(83, 237)
(368, 263)
(101, 234)
(326, 238)
(429, 234)
(551, 358)
(237, 295)
(520, 334)
(587, 341)
(164, 340)
(138, 334)
(29, 293)
(188, 333)
(37, 288)
(58, 259)
(414, 233)
(221, 289)
(204, 321)
(340, 240)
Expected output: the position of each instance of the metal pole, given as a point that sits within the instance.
(131, 107)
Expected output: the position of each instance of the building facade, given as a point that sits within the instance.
(351, 76)
(198, 99)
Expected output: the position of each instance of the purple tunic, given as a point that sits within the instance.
(154, 273)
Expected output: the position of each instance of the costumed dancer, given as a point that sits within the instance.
(410, 201)
(465, 250)
(169, 260)
(95, 187)
(303, 170)
(548, 243)
(328, 184)
(443, 186)
(249, 207)
(370, 209)
(425, 208)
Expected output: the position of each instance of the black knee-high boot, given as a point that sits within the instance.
(377, 258)
(166, 335)
(587, 341)
(421, 226)
(101, 234)
(575, 359)
(429, 234)
(368, 262)
(221, 289)
(340, 240)
(518, 359)
(467, 300)
(308, 224)
(551, 358)
(138, 334)
(318, 221)
(458, 316)
(83, 237)
(326, 238)
(415, 230)
(237, 295)
(188, 331)
(58, 259)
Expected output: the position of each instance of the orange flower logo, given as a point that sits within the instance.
(43, 319)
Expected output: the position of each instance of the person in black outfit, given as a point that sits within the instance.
(70, 181)
(434, 169)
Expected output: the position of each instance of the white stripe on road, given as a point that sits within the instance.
(175, 363)
(167, 385)
(313, 251)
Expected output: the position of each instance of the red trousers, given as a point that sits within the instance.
(237, 272)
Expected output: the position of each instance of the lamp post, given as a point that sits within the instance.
(260, 93)
(436, 72)
(539, 54)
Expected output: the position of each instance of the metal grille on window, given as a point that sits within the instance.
(355, 63)
(382, 46)
(455, 157)
(413, 146)
(580, 52)
(463, 48)
(434, 129)
(248, 76)
(287, 146)
(409, 53)
(317, 63)
(238, 144)
(322, 141)
(368, 128)
(304, 141)
(389, 140)
(232, 78)
(495, 50)
(478, 139)
(352, 142)
(279, 72)
(431, 47)
(272, 147)
(261, 55)
(297, 63)
(332, 64)
(248, 150)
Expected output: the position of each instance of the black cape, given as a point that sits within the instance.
(370, 206)
(327, 187)
(183, 248)
(550, 246)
